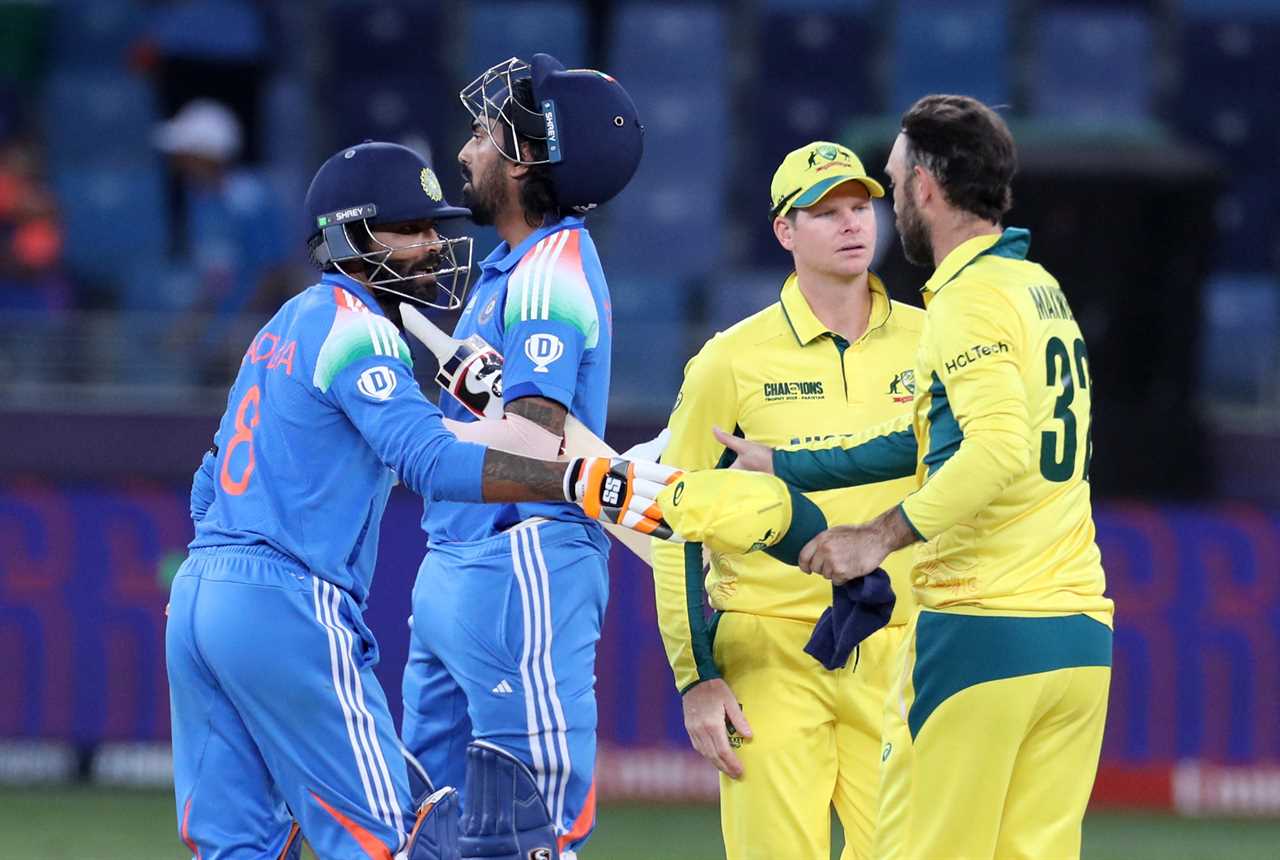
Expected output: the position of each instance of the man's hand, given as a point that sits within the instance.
(848, 552)
(709, 708)
(751, 455)
(621, 491)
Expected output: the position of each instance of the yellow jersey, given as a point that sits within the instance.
(998, 441)
(781, 378)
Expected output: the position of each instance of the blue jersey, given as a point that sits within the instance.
(545, 306)
(324, 415)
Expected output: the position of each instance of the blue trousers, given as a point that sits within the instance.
(277, 714)
(503, 650)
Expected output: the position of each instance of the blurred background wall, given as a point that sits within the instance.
(138, 254)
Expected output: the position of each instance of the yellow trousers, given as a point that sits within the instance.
(815, 744)
(992, 734)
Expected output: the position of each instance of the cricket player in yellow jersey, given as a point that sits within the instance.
(832, 357)
(995, 721)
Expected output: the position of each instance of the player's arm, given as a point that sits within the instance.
(549, 322)
(881, 453)
(367, 374)
(707, 398)
(202, 485)
(979, 436)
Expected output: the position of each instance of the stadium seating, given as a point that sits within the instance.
(681, 43)
(114, 223)
(496, 31)
(93, 35)
(1240, 345)
(1230, 74)
(649, 343)
(1093, 64)
(98, 119)
(956, 46)
(674, 208)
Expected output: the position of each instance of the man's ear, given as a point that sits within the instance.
(924, 186)
(784, 232)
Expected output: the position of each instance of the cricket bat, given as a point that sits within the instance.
(471, 370)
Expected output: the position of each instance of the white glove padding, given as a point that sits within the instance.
(621, 491)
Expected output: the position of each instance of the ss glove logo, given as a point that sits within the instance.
(542, 349)
(611, 494)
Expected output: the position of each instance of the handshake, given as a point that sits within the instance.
(727, 510)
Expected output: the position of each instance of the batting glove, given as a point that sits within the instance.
(621, 491)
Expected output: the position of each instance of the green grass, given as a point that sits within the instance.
(96, 824)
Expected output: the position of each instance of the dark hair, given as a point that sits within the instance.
(538, 197)
(968, 148)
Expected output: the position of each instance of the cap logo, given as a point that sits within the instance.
(554, 154)
(430, 184)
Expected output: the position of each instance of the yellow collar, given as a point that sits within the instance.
(807, 327)
(1012, 242)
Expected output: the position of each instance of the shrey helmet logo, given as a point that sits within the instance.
(431, 185)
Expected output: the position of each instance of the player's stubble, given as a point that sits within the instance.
(917, 244)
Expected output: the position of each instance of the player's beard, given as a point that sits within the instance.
(917, 244)
(484, 193)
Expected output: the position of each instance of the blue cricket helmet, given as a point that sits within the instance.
(376, 183)
(586, 120)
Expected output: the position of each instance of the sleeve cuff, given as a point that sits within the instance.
(807, 522)
(529, 389)
(902, 508)
(459, 474)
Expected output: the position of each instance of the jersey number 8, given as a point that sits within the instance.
(243, 436)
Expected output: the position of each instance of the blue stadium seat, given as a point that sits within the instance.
(425, 116)
(372, 37)
(95, 34)
(675, 43)
(951, 46)
(115, 224)
(1230, 74)
(1223, 10)
(686, 128)
(673, 222)
(1247, 217)
(496, 31)
(1093, 63)
(98, 118)
(1240, 348)
(862, 6)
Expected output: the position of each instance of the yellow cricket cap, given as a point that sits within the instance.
(808, 173)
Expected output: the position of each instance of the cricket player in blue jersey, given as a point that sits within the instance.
(277, 715)
(510, 598)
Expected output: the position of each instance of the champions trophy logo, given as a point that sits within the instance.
(542, 349)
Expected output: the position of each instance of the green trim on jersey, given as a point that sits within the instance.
(354, 335)
(944, 431)
(955, 652)
(535, 296)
